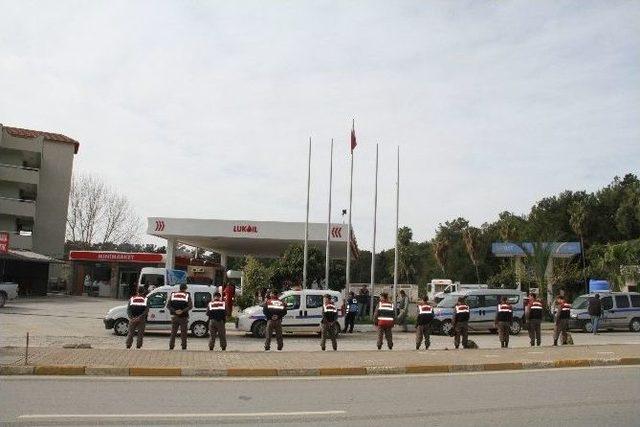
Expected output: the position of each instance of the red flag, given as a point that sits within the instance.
(353, 139)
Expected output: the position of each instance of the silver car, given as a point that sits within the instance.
(620, 310)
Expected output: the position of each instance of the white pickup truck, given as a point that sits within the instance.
(8, 291)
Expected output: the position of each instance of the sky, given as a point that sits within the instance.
(204, 109)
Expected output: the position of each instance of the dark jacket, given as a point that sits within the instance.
(595, 307)
(269, 312)
(185, 307)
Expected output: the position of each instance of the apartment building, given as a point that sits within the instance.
(35, 178)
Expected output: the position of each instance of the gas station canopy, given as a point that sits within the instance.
(240, 237)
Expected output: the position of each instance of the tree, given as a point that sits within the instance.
(578, 220)
(471, 237)
(440, 249)
(97, 214)
(288, 268)
(538, 260)
(257, 277)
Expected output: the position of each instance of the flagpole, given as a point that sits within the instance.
(326, 267)
(306, 223)
(373, 247)
(348, 269)
(395, 261)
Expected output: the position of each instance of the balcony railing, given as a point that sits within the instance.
(20, 174)
(17, 207)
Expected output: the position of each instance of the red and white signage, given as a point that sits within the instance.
(160, 225)
(245, 228)
(4, 242)
(135, 257)
(336, 231)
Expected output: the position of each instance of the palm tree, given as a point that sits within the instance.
(578, 220)
(440, 248)
(471, 237)
(539, 261)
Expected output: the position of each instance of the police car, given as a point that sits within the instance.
(304, 313)
(483, 304)
(159, 318)
(620, 310)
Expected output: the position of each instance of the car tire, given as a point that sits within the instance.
(634, 325)
(121, 327)
(259, 329)
(3, 299)
(587, 326)
(446, 327)
(199, 329)
(515, 327)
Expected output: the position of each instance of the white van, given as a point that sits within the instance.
(483, 304)
(304, 313)
(159, 318)
(154, 277)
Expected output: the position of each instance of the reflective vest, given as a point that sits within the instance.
(329, 312)
(179, 300)
(535, 311)
(425, 314)
(385, 314)
(461, 313)
(505, 313)
(565, 310)
(216, 310)
(137, 305)
(275, 307)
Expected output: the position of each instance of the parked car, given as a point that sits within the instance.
(8, 291)
(304, 313)
(483, 304)
(620, 310)
(159, 318)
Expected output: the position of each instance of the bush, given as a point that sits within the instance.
(243, 301)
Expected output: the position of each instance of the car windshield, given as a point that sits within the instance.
(448, 301)
(581, 302)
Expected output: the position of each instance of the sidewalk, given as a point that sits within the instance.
(122, 362)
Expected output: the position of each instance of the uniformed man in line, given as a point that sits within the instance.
(423, 324)
(352, 312)
(383, 318)
(460, 323)
(504, 316)
(329, 317)
(274, 310)
(534, 320)
(179, 306)
(562, 320)
(216, 311)
(137, 310)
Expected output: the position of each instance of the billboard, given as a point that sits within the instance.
(559, 249)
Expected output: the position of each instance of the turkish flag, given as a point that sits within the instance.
(353, 139)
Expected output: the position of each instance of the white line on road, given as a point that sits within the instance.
(164, 416)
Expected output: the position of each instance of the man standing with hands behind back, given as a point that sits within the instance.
(179, 306)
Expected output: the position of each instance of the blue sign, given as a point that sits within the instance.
(559, 249)
(176, 277)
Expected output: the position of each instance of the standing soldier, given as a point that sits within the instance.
(274, 310)
(352, 312)
(403, 310)
(504, 316)
(329, 316)
(216, 311)
(423, 324)
(562, 320)
(383, 317)
(460, 324)
(179, 306)
(137, 311)
(534, 320)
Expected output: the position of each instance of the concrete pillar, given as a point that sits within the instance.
(171, 254)
(223, 260)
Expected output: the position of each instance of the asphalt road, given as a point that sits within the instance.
(561, 397)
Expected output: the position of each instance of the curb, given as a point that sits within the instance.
(114, 371)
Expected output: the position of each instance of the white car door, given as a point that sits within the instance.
(294, 317)
(312, 312)
(158, 317)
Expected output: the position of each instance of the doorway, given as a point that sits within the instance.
(128, 282)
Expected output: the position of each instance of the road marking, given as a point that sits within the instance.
(173, 415)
